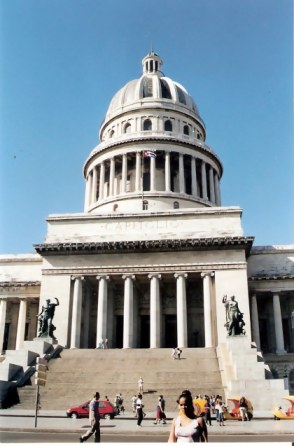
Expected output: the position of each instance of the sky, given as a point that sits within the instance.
(61, 62)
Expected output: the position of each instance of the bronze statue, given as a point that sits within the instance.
(234, 318)
(45, 318)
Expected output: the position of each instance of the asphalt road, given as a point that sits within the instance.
(49, 437)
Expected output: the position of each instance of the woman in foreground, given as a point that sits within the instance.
(187, 427)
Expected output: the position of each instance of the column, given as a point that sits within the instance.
(255, 322)
(280, 348)
(211, 185)
(21, 324)
(167, 172)
(152, 173)
(101, 332)
(94, 185)
(203, 180)
(3, 307)
(128, 311)
(111, 177)
(75, 337)
(182, 329)
(207, 308)
(181, 174)
(138, 172)
(101, 181)
(217, 190)
(155, 310)
(124, 173)
(194, 177)
(87, 193)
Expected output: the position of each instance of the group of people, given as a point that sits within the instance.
(103, 343)
(176, 353)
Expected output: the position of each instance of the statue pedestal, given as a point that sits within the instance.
(47, 339)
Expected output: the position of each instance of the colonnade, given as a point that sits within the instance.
(103, 182)
(76, 340)
(21, 321)
(278, 326)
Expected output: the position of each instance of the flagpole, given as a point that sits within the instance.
(142, 173)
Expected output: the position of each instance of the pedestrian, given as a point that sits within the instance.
(139, 406)
(174, 353)
(134, 407)
(141, 385)
(163, 409)
(106, 398)
(243, 409)
(158, 414)
(207, 410)
(94, 418)
(219, 407)
(179, 352)
(187, 427)
(105, 343)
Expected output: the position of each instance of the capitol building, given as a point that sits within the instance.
(147, 263)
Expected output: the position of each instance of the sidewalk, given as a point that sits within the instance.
(54, 421)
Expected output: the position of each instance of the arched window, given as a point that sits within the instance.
(145, 205)
(147, 125)
(176, 205)
(111, 133)
(127, 128)
(168, 126)
(186, 130)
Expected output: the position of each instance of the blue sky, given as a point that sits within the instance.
(63, 60)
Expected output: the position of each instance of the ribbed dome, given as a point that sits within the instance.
(151, 87)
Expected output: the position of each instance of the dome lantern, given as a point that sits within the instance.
(152, 63)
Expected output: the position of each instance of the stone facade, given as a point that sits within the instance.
(149, 260)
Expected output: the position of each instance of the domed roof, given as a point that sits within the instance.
(152, 89)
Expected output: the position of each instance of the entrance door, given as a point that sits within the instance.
(145, 332)
(170, 330)
(119, 332)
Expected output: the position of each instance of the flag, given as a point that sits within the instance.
(149, 154)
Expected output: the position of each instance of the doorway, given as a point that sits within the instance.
(145, 331)
(170, 330)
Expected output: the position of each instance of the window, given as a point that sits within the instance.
(111, 133)
(145, 205)
(181, 95)
(127, 128)
(168, 127)
(147, 125)
(176, 205)
(186, 130)
(147, 87)
(165, 90)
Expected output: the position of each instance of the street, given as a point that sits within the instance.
(49, 437)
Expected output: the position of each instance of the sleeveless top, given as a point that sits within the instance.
(188, 433)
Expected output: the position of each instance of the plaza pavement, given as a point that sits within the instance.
(56, 421)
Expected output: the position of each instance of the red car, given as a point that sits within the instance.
(106, 409)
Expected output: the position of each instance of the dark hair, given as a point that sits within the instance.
(189, 407)
(96, 395)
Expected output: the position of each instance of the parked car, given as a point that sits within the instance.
(280, 414)
(233, 413)
(106, 409)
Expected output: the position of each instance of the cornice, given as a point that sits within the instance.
(259, 278)
(121, 247)
(14, 284)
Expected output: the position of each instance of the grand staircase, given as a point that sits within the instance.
(72, 378)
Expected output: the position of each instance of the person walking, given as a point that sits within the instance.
(243, 408)
(139, 406)
(207, 410)
(141, 385)
(134, 407)
(94, 418)
(219, 407)
(163, 416)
